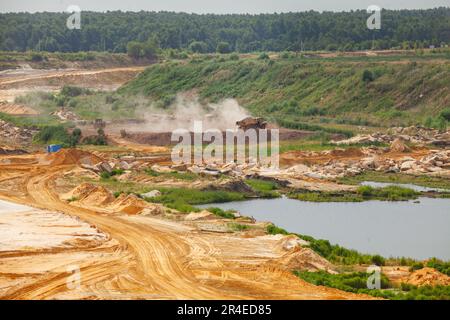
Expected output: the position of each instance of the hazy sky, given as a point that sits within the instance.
(218, 6)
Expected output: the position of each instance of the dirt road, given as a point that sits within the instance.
(155, 258)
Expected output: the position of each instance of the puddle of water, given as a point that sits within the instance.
(404, 185)
(392, 229)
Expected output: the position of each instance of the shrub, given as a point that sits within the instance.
(228, 214)
(367, 76)
(273, 229)
(223, 47)
(198, 47)
(263, 56)
(52, 135)
(445, 114)
(37, 57)
(378, 260)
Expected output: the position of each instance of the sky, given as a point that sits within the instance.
(217, 6)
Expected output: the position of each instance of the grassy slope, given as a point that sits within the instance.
(405, 89)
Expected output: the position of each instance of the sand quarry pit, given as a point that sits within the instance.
(124, 252)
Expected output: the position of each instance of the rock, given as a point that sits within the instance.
(407, 165)
(161, 169)
(179, 167)
(399, 146)
(103, 167)
(124, 165)
(152, 194)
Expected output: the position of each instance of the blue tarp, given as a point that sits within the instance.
(54, 148)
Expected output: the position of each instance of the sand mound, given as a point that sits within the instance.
(305, 259)
(72, 156)
(89, 194)
(129, 204)
(399, 146)
(428, 277)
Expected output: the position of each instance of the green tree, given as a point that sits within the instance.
(223, 47)
(198, 47)
(134, 49)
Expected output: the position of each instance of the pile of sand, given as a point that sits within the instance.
(129, 204)
(89, 194)
(72, 156)
(305, 259)
(399, 146)
(428, 277)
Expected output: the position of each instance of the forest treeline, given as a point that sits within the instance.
(113, 31)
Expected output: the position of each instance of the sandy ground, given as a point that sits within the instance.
(14, 83)
(146, 258)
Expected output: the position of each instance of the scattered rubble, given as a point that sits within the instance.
(14, 134)
(65, 115)
(399, 146)
(415, 135)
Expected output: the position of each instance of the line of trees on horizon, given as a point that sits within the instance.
(205, 33)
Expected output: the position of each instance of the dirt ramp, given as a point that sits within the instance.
(72, 156)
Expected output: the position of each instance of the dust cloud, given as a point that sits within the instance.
(185, 110)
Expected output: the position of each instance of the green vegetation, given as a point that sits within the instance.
(148, 49)
(356, 282)
(184, 199)
(113, 30)
(390, 193)
(326, 95)
(337, 254)
(115, 172)
(363, 193)
(264, 188)
(187, 176)
(98, 140)
(30, 122)
(52, 135)
(238, 227)
(422, 180)
(441, 266)
(227, 214)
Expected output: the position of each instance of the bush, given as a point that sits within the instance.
(367, 76)
(72, 91)
(264, 56)
(223, 47)
(228, 214)
(445, 114)
(273, 229)
(198, 47)
(378, 260)
(37, 57)
(52, 135)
